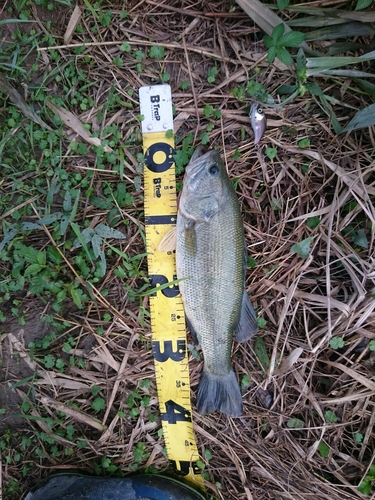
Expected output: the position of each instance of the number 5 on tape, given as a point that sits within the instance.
(167, 315)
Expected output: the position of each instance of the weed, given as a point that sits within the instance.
(271, 153)
(323, 450)
(211, 74)
(302, 248)
(337, 343)
(278, 41)
(140, 454)
(366, 485)
(295, 423)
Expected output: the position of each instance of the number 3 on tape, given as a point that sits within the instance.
(167, 314)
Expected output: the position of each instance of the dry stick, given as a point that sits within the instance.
(75, 414)
(186, 12)
(192, 87)
(118, 379)
(288, 298)
(204, 52)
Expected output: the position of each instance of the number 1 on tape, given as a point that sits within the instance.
(167, 314)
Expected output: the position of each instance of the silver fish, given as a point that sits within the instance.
(258, 121)
(211, 260)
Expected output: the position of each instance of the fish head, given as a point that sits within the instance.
(258, 121)
(205, 184)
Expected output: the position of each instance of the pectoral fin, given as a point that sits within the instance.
(190, 238)
(169, 241)
(247, 324)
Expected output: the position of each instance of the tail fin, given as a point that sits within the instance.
(219, 393)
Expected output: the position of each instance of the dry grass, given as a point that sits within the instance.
(304, 302)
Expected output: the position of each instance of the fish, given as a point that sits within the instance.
(211, 260)
(258, 121)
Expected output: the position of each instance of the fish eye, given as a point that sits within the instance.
(260, 110)
(214, 169)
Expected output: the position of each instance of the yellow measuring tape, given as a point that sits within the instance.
(166, 308)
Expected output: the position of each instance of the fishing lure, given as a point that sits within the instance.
(258, 121)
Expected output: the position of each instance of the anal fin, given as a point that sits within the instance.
(247, 323)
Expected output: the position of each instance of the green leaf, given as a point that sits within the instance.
(59, 364)
(200, 464)
(330, 417)
(156, 52)
(323, 450)
(108, 232)
(204, 138)
(76, 297)
(8, 238)
(314, 89)
(98, 404)
(48, 219)
(67, 203)
(211, 74)
(207, 454)
(360, 238)
(363, 4)
(125, 47)
(251, 262)
(358, 437)
(96, 243)
(165, 77)
(363, 118)
(245, 382)
(33, 269)
(42, 258)
(49, 361)
(281, 4)
(286, 89)
(75, 207)
(337, 342)
(295, 423)
(272, 52)
(292, 39)
(313, 222)
(139, 55)
(82, 238)
(208, 109)
(30, 254)
(271, 153)
(261, 322)
(277, 33)
(101, 203)
(95, 390)
(372, 345)
(284, 56)
(365, 487)
(261, 352)
(268, 41)
(304, 143)
(302, 248)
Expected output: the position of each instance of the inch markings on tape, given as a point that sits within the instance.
(166, 308)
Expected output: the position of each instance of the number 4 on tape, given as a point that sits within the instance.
(167, 314)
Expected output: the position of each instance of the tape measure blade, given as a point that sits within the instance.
(166, 308)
